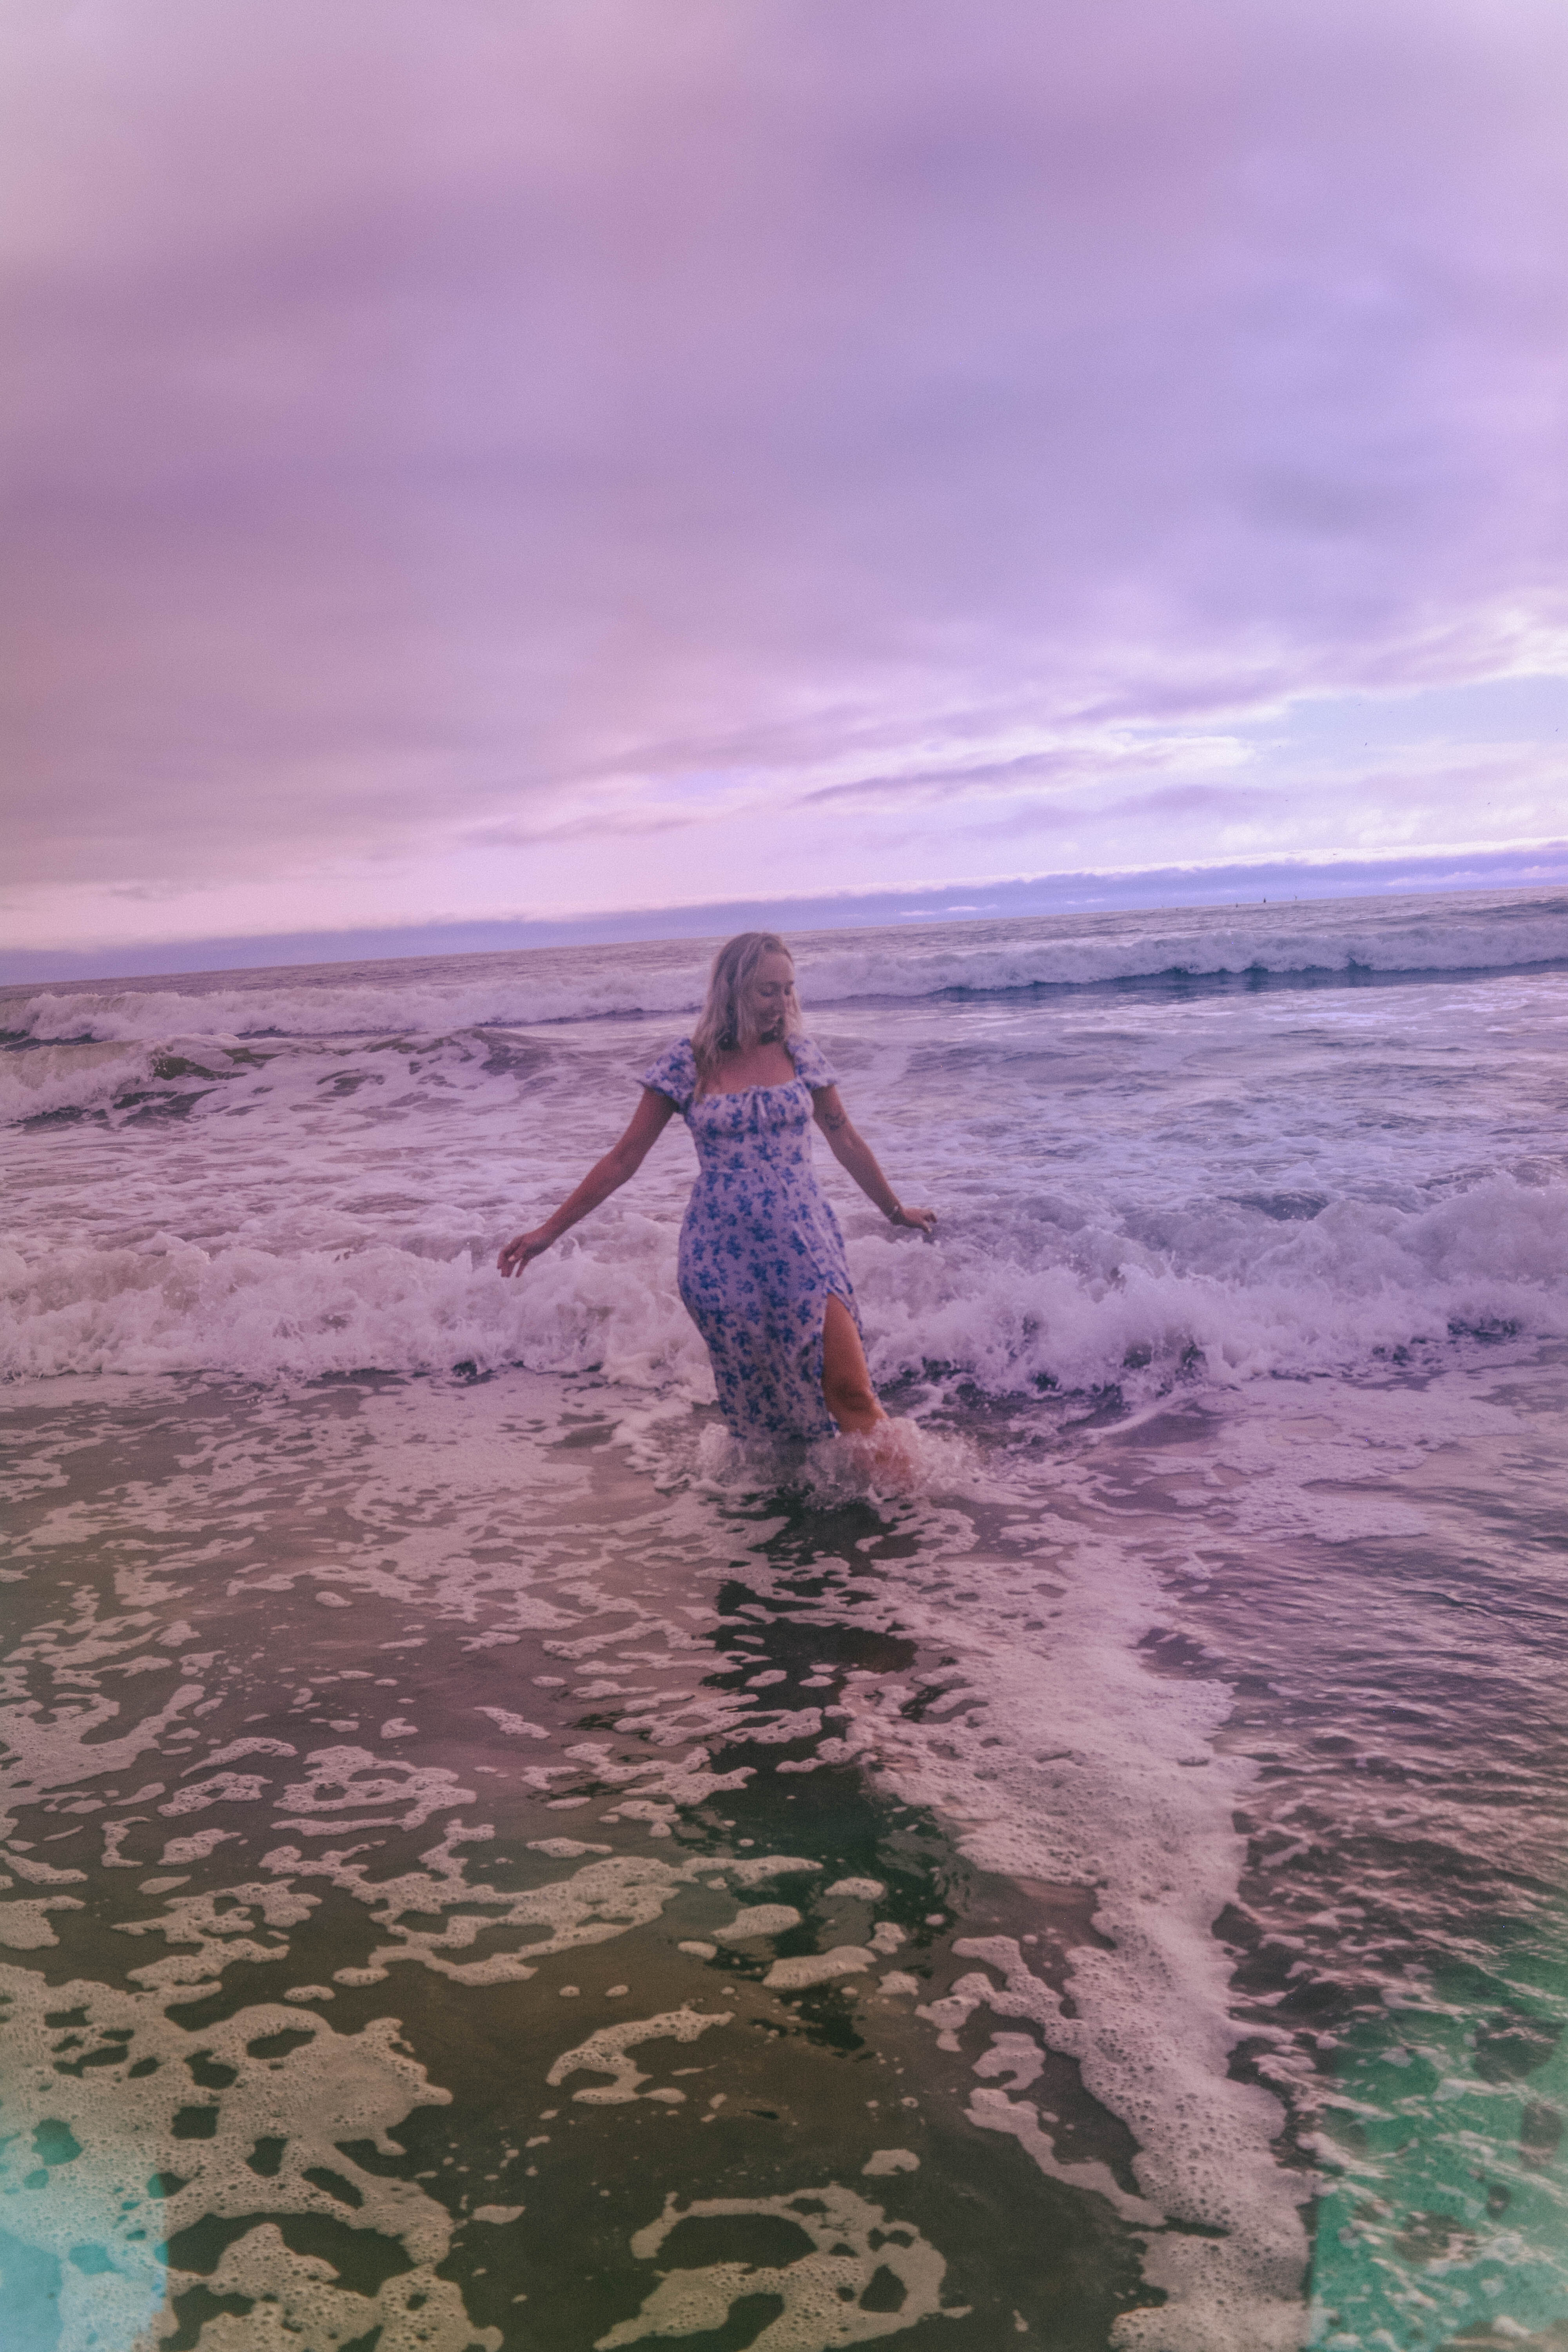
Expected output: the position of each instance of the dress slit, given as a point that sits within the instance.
(816, 1357)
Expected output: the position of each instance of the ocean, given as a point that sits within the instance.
(1113, 1896)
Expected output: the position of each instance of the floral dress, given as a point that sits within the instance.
(760, 1245)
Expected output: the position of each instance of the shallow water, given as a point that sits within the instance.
(487, 1865)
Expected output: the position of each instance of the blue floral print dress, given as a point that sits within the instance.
(760, 1245)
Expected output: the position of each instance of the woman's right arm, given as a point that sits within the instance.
(607, 1175)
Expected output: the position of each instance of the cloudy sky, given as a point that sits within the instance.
(478, 459)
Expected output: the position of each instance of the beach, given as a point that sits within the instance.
(492, 1862)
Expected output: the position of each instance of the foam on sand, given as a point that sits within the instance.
(757, 1919)
(818, 1968)
(1075, 1768)
(606, 2053)
(592, 1904)
(296, 2299)
(845, 2243)
(125, 2174)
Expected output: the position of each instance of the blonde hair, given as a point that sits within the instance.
(727, 1019)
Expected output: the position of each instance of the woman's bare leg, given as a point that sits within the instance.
(847, 1388)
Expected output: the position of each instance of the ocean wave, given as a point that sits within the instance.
(352, 1009)
(55, 1080)
(1003, 1309)
(1294, 941)
(1452, 934)
(111, 1081)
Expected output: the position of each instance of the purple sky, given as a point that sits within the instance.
(484, 459)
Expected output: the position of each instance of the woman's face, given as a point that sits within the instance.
(772, 990)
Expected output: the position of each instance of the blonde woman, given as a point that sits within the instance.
(762, 1273)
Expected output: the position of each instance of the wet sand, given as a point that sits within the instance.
(421, 1791)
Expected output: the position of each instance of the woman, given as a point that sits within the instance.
(762, 1258)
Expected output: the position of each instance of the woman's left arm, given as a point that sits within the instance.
(853, 1153)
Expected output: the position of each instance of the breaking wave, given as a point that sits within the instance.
(1006, 1306)
(1456, 932)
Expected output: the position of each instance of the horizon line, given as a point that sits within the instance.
(1123, 891)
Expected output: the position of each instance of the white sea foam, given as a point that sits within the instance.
(1017, 1307)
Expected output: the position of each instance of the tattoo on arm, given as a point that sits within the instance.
(833, 1120)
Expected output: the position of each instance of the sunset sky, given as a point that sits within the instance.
(480, 460)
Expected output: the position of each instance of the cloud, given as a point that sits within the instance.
(483, 451)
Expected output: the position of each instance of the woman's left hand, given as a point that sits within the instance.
(523, 1250)
(921, 1221)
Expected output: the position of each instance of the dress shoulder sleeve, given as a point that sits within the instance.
(675, 1075)
(812, 1065)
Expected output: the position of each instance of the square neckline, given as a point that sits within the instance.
(728, 1094)
(675, 1074)
(722, 1093)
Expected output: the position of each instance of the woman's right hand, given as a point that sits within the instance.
(919, 1220)
(523, 1250)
